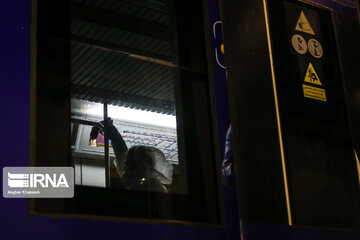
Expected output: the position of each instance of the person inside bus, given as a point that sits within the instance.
(141, 168)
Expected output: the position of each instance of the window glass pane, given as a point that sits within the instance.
(116, 64)
(123, 61)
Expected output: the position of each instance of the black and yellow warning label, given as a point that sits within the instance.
(303, 24)
(314, 93)
(311, 76)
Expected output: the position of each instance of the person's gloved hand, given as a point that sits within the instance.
(94, 133)
(109, 130)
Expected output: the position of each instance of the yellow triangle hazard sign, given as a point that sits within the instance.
(303, 24)
(311, 76)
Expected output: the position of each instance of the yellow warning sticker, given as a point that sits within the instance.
(303, 24)
(311, 76)
(314, 93)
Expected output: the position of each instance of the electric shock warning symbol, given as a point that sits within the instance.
(299, 44)
(311, 76)
(303, 24)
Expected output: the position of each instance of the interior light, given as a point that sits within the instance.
(95, 109)
(140, 116)
(126, 114)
